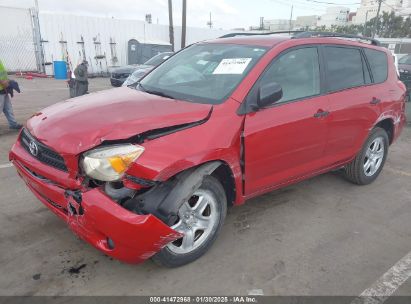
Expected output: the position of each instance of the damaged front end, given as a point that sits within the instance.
(127, 218)
(93, 215)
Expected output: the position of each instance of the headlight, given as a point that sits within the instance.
(401, 71)
(109, 163)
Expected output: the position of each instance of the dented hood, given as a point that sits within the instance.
(78, 124)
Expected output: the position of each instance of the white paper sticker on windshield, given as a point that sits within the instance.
(232, 66)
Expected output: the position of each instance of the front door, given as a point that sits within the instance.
(287, 140)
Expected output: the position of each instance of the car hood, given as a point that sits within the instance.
(79, 124)
(128, 68)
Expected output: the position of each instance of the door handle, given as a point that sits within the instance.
(375, 101)
(321, 113)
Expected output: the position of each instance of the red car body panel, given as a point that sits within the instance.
(280, 145)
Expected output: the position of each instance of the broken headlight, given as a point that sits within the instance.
(109, 163)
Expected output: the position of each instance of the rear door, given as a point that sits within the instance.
(353, 103)
(287, 140)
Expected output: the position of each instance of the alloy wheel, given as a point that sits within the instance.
(374, 156)
(197, 218)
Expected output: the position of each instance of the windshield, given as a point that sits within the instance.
(405, 60)
(202, 73)
(156, 60)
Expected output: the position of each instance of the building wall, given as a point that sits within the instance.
(70, 28)
(369, 8)
(278, 24)
(16, 40)
(336, 15)
(302, 22)
(17, 43)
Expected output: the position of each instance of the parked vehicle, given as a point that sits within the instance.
(136, 76)
(404, 65)
(121, 74)
(150, 170)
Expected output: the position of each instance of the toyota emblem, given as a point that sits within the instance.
(34, 150)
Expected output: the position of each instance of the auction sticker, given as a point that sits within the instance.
(232, 66)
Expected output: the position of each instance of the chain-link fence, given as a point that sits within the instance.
(16, 40)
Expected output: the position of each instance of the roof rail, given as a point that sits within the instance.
(314, 34)
(258, 34)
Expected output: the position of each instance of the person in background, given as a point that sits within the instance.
(81, 76)
(5, 102)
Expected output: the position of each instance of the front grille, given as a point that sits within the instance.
(44, 153)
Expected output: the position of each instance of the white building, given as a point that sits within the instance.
(304, 22)
(368, 9)
(336, 15)
(278, 25)
(103, 42)
(406, 8)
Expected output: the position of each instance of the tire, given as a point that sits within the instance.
(178, 253)
(361, 172)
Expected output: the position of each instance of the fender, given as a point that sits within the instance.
(218, 139)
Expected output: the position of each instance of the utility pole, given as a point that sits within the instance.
(183, 25)
(375, 28)
(291, 17)
(365, 24)
(210, 23)
(170, 24)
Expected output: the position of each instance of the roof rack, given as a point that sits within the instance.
(307, 34)
(258, 34)
(336, 35)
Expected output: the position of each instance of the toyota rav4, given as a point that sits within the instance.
(149, 170)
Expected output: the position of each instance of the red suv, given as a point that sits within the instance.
(149, 170)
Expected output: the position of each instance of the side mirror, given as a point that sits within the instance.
(268, 94)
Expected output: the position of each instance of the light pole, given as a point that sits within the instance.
(183, 25)
(375, 28)
(170, 24)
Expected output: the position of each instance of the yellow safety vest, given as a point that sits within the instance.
(3, 74)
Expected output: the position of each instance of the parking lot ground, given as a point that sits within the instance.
(324, 236)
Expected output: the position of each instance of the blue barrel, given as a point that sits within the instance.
(60, 70)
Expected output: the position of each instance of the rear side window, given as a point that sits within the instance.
(378, 64)
(344, 68)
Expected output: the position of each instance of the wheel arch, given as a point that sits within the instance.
(224, 174)
(387, 124)
(165, 198)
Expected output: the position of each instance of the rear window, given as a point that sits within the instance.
(344, 67)
(378, 64)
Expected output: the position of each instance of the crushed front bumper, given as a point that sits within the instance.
(96, 218)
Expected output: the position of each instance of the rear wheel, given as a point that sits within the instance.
(200, 220)
(367, 165)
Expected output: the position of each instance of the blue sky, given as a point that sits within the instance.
(226, 14)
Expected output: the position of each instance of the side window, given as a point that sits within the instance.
(297, 72)
(378, 64)
(344, 68)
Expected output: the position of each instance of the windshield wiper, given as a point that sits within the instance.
(158, 93)
(153, 92)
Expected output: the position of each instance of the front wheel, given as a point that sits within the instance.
(200, 220)
(367, 165)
